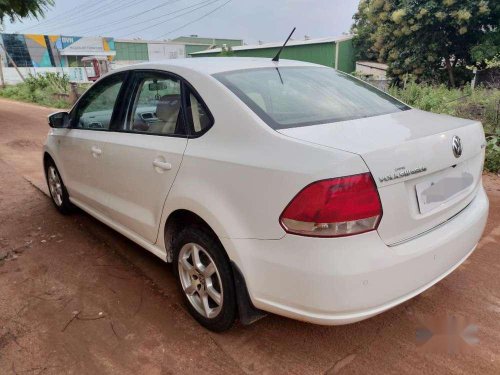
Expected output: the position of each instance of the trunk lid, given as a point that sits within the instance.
(410, 155)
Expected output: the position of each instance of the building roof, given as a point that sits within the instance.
(149, 41)
(195, 39)
(210, 65)
(279, 44)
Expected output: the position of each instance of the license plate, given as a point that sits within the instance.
(442, 188)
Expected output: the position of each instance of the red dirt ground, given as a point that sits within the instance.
(77, 297)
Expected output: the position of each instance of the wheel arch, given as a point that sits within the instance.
(179, 219)
(49, 156)
(46, 158)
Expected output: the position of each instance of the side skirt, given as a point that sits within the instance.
(122, 230)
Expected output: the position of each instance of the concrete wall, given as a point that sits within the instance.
(11, 76)
(371, 69)
(165, 51)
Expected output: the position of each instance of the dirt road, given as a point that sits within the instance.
(76, 297)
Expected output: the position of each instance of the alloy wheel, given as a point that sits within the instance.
(55, 185)
(200, 280)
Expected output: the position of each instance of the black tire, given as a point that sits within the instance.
(64, 206)
(202, 237)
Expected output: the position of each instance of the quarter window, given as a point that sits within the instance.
(198, 114)
(157, 106)
(95, 109)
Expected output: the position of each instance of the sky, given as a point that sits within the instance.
(250, 20)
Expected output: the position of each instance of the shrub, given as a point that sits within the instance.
(482, 104)
(40, 89)
(492, 162)
(55, 82)
(58, 81)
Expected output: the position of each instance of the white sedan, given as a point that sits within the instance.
(282, 187)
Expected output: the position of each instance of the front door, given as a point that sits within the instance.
(144, 154)
(83, 148)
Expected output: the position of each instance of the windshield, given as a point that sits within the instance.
(298, 96)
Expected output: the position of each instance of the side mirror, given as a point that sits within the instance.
(59, 120)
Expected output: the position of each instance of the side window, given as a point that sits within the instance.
(157, 106)
(198, 114)
(95, 109)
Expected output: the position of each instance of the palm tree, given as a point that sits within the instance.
(17, 9)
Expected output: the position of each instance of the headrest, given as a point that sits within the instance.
(168, 106)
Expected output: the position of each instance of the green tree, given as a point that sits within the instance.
(426, 37)
(17, 9)
(487, 50)
(364, 31)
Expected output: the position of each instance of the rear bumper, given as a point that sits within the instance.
(344, 280)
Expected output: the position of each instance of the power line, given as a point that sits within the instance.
(172, 18)
(57, 17)
(134, 15)
(196, 20)
(99, 13)
(206, 2)
(118, 8)
(105, 10)
(76, 14)
(113, 7)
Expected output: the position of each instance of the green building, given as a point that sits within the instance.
(130, 50)
(335, 52)
(194, 43)
(137, 50)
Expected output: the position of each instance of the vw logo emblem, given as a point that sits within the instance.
(456, 146)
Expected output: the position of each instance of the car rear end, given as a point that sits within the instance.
(342, 280)
(330, 276)
(356, 245)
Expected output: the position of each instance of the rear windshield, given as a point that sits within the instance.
(290, 97)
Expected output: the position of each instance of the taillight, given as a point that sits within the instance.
(335, 207)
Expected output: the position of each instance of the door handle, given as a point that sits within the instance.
(162, 165)
(96, 150)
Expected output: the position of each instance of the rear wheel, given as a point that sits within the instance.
(205, 278)
(57, 190)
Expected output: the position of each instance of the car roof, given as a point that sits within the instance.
(212, 65)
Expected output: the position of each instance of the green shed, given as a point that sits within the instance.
(335, 52)
(134, 51)
(195, 43)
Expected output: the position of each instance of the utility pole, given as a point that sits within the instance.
(1, 71)
(13, 63)
(473, 82)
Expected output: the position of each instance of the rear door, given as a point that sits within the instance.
(144, 152)
(83, 146)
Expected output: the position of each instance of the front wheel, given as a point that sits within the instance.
(57, 190)
(205, 278)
